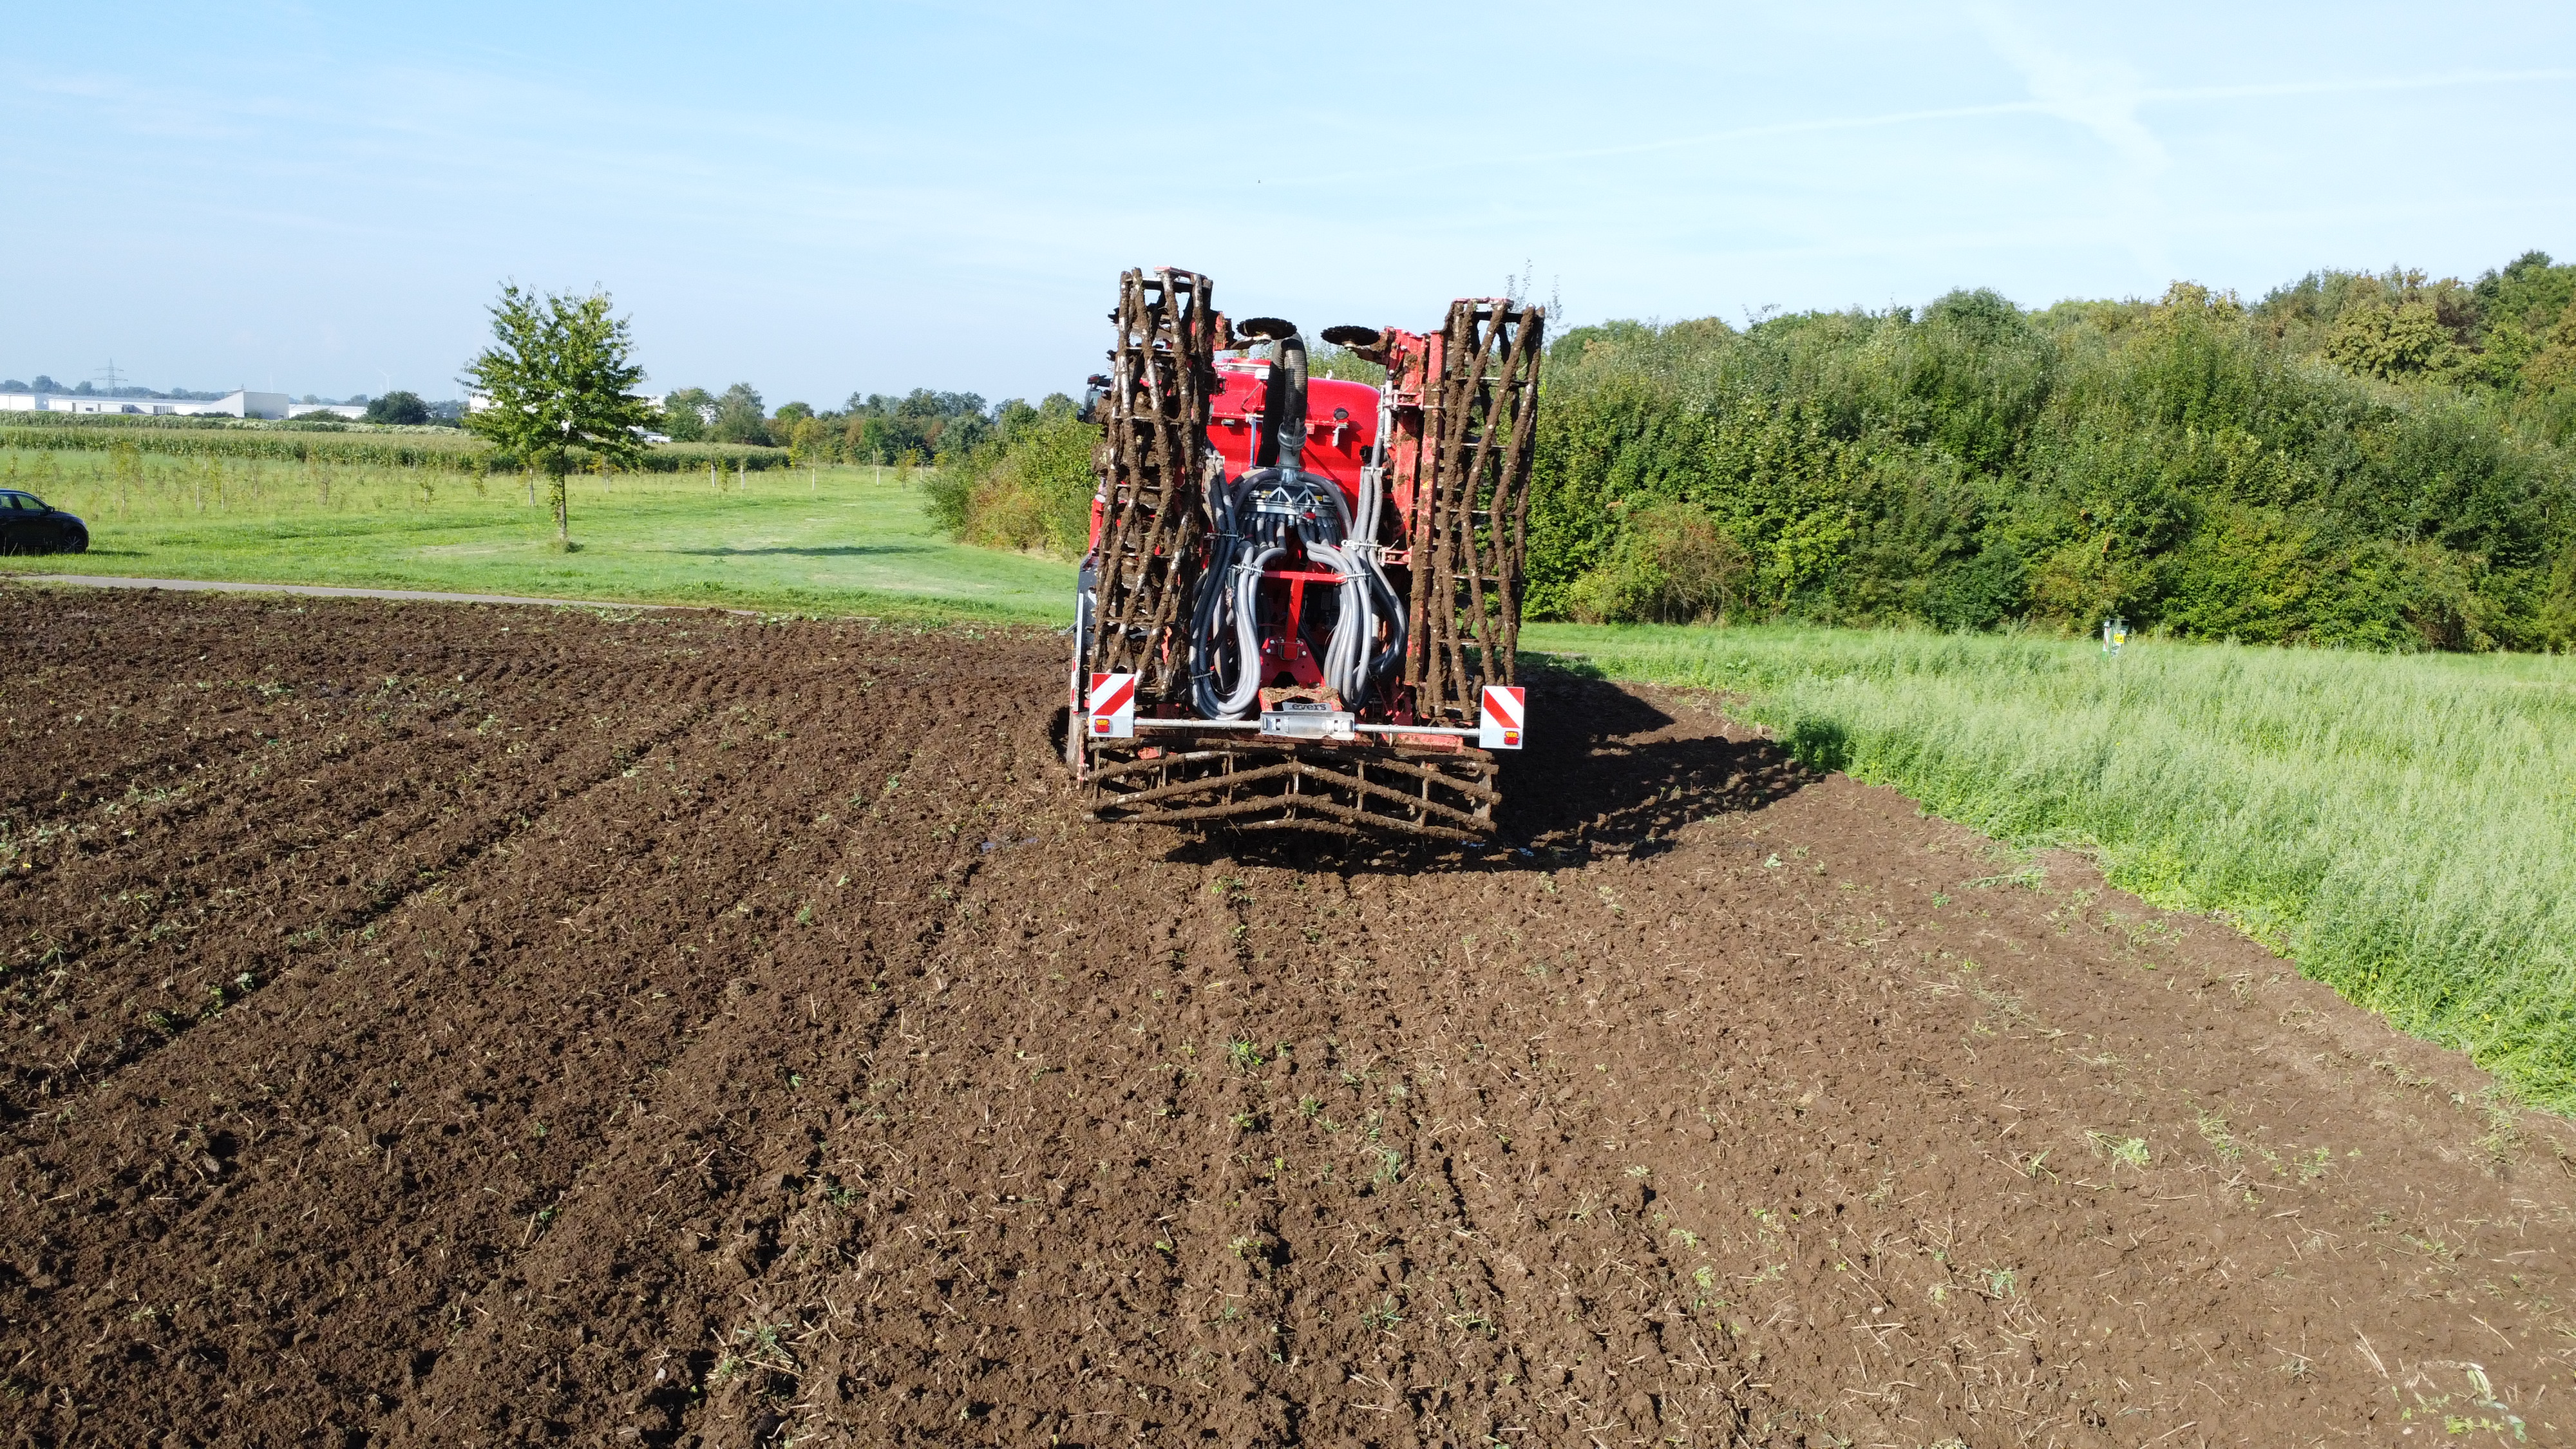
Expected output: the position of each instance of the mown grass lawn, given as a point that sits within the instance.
(841, 541)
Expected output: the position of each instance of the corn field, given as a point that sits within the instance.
(445, 451)
(123, 482)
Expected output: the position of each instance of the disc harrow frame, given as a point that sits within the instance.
(1471, 522)
(1153, 448)
(1455, 430)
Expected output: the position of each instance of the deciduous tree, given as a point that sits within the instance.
(398, 407)
(741, 417)
(559, 375)
(686, 414)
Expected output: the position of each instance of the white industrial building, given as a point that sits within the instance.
(240, 404)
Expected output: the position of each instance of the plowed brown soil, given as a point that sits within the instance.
(453, 1025)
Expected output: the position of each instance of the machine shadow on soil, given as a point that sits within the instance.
(1609, 777)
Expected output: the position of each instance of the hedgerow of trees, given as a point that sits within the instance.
(1025, 484)
(917, 429)
(2367, 460)
(398, 407)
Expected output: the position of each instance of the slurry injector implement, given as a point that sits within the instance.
(1303, 594)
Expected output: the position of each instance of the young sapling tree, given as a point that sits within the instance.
(559, 375)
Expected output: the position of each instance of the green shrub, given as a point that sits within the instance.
(1028, 487)
(1671, 565)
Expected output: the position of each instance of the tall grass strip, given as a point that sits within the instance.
(2402, 826)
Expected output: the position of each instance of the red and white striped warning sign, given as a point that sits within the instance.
(1113, 706)
(1506, 706)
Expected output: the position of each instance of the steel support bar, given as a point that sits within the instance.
(1470, 518)
(1460, 731)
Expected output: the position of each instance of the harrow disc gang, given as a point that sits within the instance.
(1342, 789)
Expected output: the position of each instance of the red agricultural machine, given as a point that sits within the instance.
(1303, 595)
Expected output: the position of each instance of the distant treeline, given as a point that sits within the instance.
(309, 423)
(87, 389)
(921, 427)
(2368, 460)
(733, 428)
(1025, 482)
(444, 449)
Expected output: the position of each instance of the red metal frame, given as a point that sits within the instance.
(1411, 360)
(1344, 422)
(1288, 648)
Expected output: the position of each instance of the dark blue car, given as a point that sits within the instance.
(27, 525)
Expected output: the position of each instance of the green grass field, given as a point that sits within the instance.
(2403, 826)
(2400, 825)
(841, 541)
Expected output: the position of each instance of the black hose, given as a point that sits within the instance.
(1257, 518)
(1292, 408)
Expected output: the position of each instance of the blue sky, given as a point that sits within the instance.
(821, 199)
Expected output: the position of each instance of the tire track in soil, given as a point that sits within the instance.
(823, 1080)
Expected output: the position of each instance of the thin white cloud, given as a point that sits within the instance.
(2101, 96)
(2060, 87)
(1694, 141)
(2359, 85)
